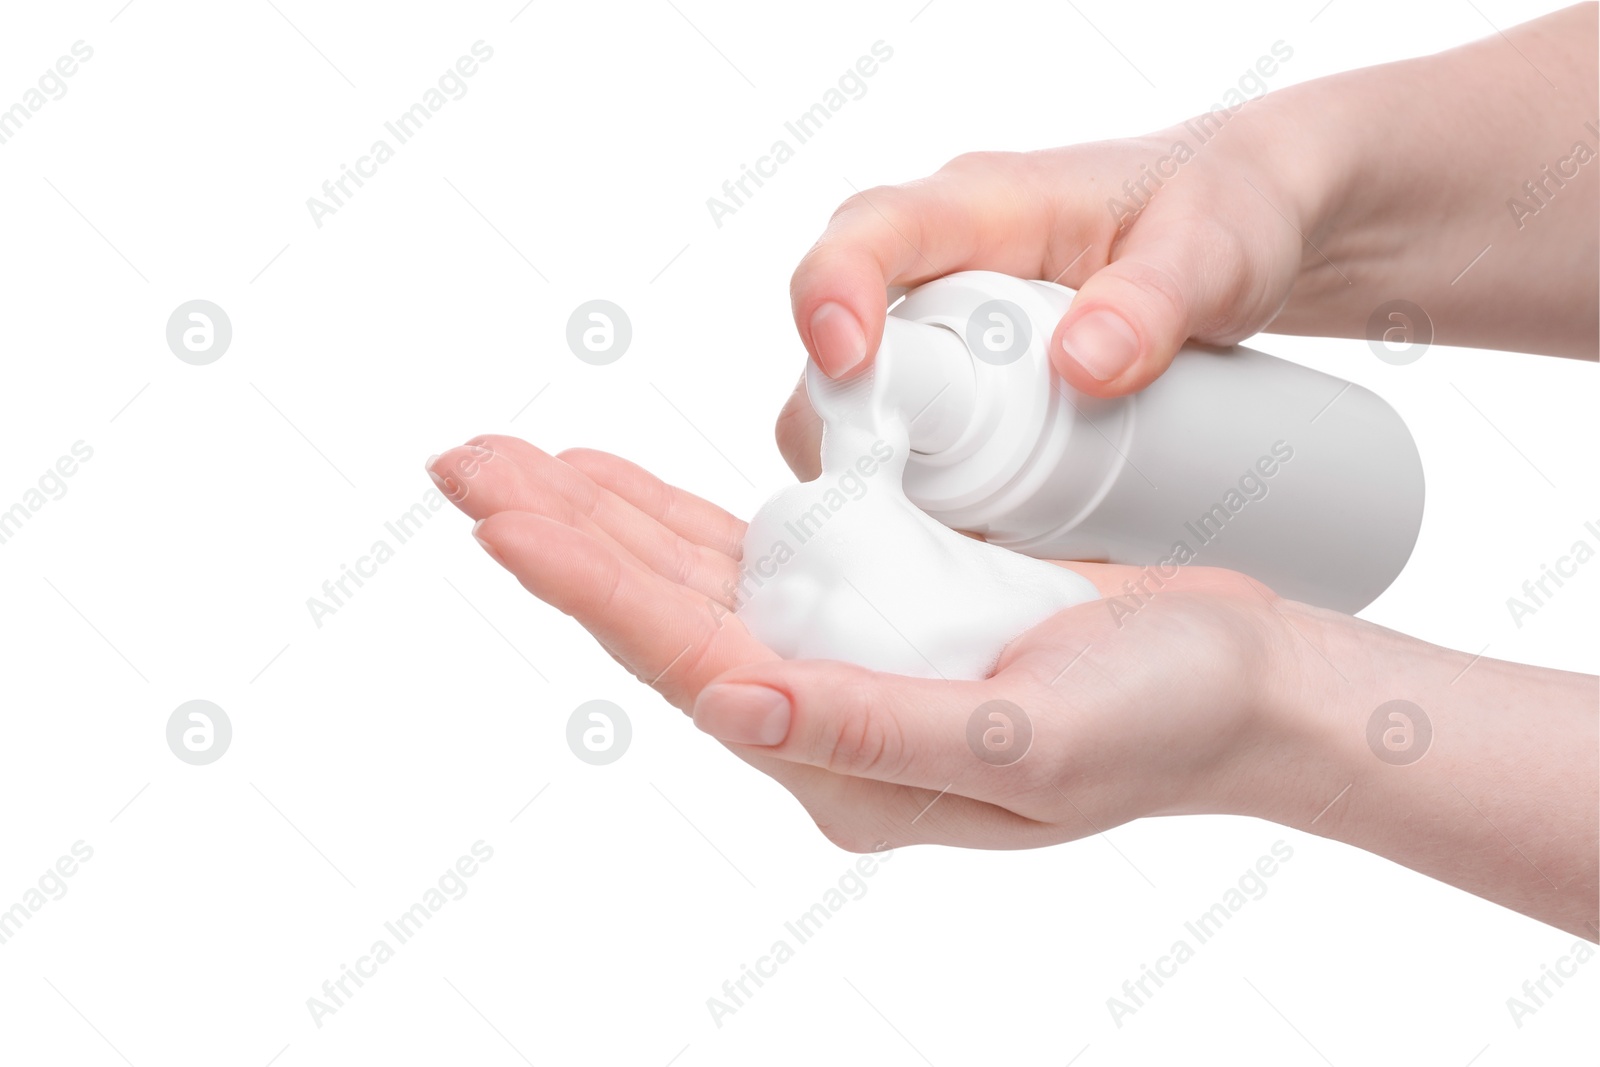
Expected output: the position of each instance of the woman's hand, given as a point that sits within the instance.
(1200, 693)
(1161, 245)
(1461, 183)
(1108, 715)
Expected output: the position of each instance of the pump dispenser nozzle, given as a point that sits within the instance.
(922, 373)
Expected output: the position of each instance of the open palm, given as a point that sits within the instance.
(1127, 715)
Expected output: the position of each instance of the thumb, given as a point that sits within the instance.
(1130, 317)
(850, 720)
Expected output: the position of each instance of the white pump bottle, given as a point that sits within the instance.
(1232, 458)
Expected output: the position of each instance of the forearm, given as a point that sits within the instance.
(1412, 180)
(1489, 780)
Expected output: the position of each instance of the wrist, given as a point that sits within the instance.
(1309, 143)
(1362, 183)
(1300, 145)
(1471, 770)
(1318, 683)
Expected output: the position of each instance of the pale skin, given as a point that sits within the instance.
(1217, 696)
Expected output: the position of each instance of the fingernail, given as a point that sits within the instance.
(487, 547)
(447, 485)
(743, 714)
(840, 341)
(1102, 343)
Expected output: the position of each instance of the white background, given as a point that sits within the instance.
(370, 753)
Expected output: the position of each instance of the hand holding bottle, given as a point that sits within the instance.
(1302, 211)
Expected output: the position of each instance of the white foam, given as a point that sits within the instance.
(846, 568)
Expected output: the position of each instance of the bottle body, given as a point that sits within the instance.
(1232, 458)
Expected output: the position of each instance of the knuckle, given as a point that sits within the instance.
(674, 679)
(682, 563)
(968, 162)
(581, 458)
(1160, 288)
(607, 587)
(865, 200)
(817, 265)
(1234, 281)
(863, 739)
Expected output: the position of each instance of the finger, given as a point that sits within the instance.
(909, 731)
(799, 434)
(517, 476)
(690, 517)
(640, 619)
(1172, 278)
(492, 473)
(455, 473)
(992, 211)
(538, 500)
(661, 633)
(670, 637)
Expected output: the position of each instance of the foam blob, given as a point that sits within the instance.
(846, 568)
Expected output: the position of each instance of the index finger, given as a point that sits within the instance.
(990, 211)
